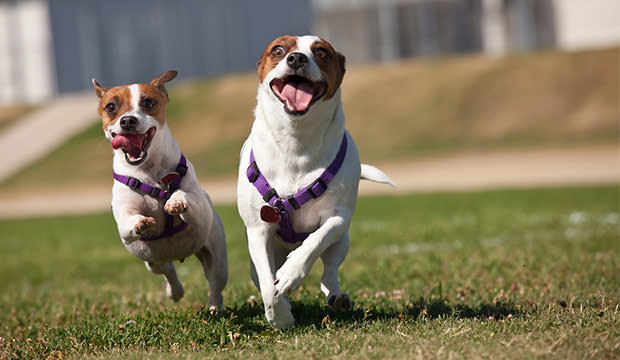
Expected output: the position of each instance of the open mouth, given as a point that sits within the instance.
(133, 145)
(297, 93)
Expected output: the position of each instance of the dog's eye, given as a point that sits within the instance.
(110, 108)
(148, 104)
(278, 51)
(320, 53)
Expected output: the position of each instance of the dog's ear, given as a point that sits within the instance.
(259, 63)
(99, 89)
(159, 81)
(341, 62)
(164, 78)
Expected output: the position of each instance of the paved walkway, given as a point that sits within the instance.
(590, 165)
(43, 130)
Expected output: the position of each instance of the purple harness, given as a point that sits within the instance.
(159, 194)
(283, 205)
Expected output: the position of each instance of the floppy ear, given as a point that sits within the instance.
(99, 89)
(164, 78)
(341, 62)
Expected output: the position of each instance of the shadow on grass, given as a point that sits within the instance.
(313, 314)
(190, 329)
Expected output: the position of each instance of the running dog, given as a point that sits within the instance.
(161, 211)
(299, 174)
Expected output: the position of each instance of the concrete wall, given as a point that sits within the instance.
(587, 24)
(373, 30)
(119, 41)
(26, 58)
(56, 46)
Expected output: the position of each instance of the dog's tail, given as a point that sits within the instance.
(371, 173)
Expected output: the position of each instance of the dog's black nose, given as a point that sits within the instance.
(296, 60)
(129, 122)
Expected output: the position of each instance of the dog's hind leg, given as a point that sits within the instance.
(174, 289)
(216, 274)
(212, 256)
(332, 258)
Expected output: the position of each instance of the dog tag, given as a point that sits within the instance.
(269, 214)
(168, 178)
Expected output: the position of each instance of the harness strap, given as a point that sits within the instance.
(169, 229)
(294, 202)
(153, 191)
(157, 193)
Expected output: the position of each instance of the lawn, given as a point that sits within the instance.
(494, 274)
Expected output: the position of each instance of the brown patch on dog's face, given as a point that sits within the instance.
(274, 53)
(113, 103)
(331, 63)
(153, 101)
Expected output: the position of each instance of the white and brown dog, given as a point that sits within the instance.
(299, 174)
(161, 211)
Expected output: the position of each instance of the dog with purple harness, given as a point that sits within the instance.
(299, 174)
(161, 211)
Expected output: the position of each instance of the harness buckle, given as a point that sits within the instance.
(173, 186)
(293, 203)
(271, 193)
(312, 193)
(182, 169)
(155, 192)
(132, 182)
(255, 172)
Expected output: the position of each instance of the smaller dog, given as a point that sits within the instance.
(160, 209)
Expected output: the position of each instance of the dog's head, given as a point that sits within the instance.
(301, 71)
(132, 114)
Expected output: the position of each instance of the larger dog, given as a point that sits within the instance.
(161, 211)
(299, 174)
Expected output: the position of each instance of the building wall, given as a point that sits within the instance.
(372, 30)
(56, 46)
(587, 24)
(26, 59)
(119, 41)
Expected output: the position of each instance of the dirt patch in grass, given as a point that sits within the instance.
(415, 108)
(9, 114)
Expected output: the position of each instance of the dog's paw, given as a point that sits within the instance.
(289, 277)
(175, 207)
(174, 293)
(215, 310)
(279, 314)
(146, 226)
(339, 302)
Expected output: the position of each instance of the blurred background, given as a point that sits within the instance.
(427, 81)
(48, 47)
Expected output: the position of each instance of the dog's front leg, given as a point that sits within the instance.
(277, 308)
(187, 205)
(300, 261)
(132, 226)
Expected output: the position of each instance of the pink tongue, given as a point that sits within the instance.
(298, 95)
(130, 143)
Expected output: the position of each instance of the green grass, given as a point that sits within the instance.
(495, 274)
(410, 109)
